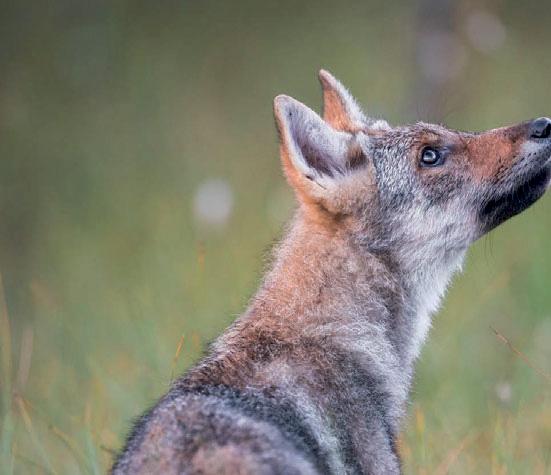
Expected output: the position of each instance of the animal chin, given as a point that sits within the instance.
(505, 206)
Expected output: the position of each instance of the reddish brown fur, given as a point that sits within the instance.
(334, 109)
(494, 152)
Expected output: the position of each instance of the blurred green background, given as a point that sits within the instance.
(140, 190)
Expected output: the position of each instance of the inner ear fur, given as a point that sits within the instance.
(315, 156)
(311, 146)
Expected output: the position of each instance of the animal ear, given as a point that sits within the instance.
(314, 154)
(340, 109)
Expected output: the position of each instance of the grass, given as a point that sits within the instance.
(478, 406)
(111, 118)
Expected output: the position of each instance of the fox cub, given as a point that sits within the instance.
(314, 377)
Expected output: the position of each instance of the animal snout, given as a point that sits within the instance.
(540, 128)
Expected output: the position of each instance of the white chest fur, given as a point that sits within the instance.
(429, 286)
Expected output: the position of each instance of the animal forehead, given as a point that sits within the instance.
(428, 131)
(422, 133)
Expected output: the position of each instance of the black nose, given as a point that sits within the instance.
(540, 128)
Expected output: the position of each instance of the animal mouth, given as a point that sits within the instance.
(498, 209)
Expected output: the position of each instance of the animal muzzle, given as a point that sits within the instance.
(527, 179)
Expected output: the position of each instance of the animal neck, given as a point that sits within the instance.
(325, 285)
(427, 271)
(320, 278)
(425, 286)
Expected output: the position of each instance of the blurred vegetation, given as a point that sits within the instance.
(113, 114)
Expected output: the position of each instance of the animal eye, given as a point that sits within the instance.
(430, 157)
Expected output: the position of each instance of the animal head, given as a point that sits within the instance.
(421, 190)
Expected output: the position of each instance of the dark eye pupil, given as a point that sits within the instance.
(430, 156)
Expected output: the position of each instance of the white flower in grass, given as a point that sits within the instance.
(213, 202)
(504, 392)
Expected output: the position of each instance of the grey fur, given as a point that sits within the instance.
(314, 376)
